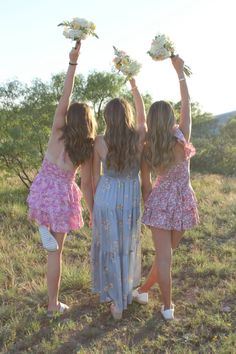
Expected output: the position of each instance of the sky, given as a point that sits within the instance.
(32, 46)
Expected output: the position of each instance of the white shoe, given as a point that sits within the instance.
(141, 298)
(49, 242)
(60, 310)
(116, 314)
(169, 313)
(62, 307)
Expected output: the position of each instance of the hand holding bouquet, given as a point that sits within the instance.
(125, 64)
(78, 29)
(162, 48)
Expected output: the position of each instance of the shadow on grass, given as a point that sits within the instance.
(91, 320)
(134, 328)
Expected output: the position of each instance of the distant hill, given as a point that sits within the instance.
(212, 127)
(223, 118)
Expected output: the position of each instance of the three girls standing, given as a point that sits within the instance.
(170, 206)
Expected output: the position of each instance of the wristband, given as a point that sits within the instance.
(72, 63)
(182, 79)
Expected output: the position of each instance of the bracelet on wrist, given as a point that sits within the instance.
(72, 63)
(181, 78)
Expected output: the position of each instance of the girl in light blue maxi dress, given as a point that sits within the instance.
(116, 254)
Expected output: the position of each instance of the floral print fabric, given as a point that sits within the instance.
(172, 203)
(116, 256)
(54, 199)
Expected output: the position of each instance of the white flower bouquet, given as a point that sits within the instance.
(125, 64)
(78, 29)
(162, 48)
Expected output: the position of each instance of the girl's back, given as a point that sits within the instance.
(116, 257)
(171, 204)
(57, 154)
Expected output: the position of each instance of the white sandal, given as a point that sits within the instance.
(168, 314)
(117, 315)
(49, 242)
(141, 298)
(61, 308)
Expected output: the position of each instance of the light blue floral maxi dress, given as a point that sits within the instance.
(116, 251)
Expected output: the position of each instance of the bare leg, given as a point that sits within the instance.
(176, 237)
(54, 272)
(162, 243)
(151, 278)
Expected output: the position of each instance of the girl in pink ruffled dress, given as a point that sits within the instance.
(54, 198)
(170, 204)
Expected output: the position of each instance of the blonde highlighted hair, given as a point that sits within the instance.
(158, 150)
(121, 137)
(79, 133)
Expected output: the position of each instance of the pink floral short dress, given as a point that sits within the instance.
(172, 203)
(54, 199)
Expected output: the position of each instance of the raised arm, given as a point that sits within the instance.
(140, 110)
(61, 110)
(185, 124)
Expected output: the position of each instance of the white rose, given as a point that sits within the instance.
(81, 21)
(66, 33)
(160, 39)
(77, 34)
(91, 25)
(162, 54)
(134, 67)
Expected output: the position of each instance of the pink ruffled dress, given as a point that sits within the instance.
(172, 203)
(54, 199)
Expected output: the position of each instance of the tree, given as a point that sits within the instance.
(147, 99)
(57, 83)
(197, 115)
(217, 153)
(25, 121)
(229, 130)
(26, 114)
(100, 87)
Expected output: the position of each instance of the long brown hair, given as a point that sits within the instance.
(158, 150)
(79, 133)
(120, 136)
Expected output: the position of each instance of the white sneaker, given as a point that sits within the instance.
(141, 298)
(62, 307)
(169, 313)
(49, 242)
(60, 310)
(116, 314)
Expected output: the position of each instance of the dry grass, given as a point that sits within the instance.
(204, 272)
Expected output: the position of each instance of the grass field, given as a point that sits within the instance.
(204, 286)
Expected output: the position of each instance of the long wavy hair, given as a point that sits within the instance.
(159, 146)
(120, 136)
(79, 133)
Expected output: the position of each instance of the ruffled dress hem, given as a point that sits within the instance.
(54, 199)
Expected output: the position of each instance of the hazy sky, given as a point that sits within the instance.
(203, 30)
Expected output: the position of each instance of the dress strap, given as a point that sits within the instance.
(189, 149)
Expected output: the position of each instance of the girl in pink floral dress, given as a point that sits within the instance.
(54, 199)
(170, 205)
